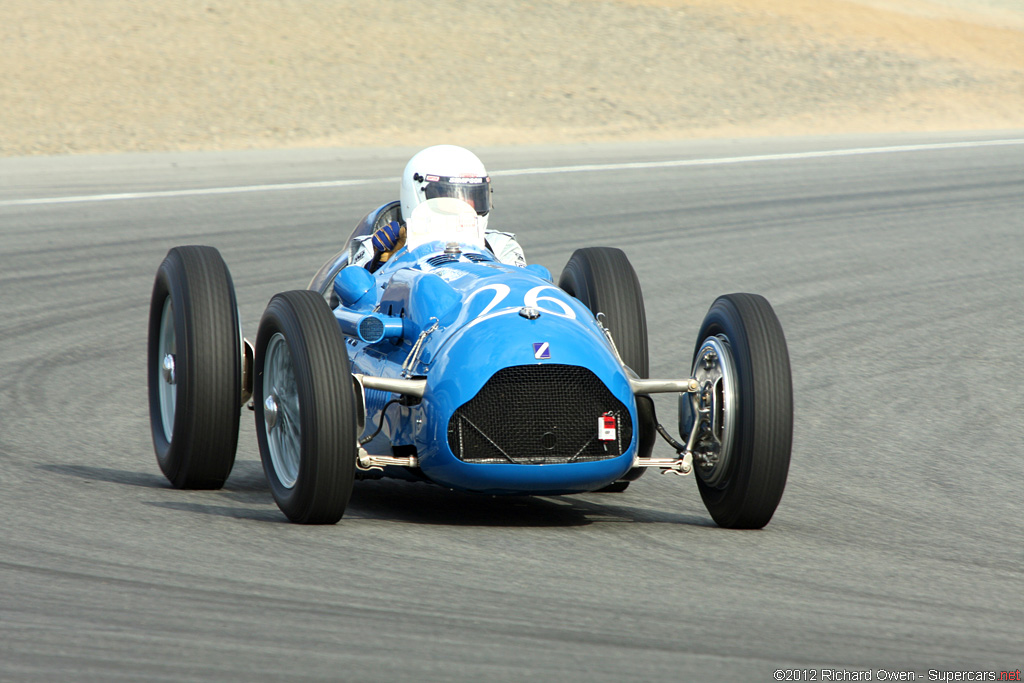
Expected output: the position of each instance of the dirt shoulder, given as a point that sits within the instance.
(95, 76)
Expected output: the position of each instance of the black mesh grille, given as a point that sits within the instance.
(371, 329)
(539, 415)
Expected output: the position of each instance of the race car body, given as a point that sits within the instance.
(520, 378)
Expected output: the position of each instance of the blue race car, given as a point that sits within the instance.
(447, 366)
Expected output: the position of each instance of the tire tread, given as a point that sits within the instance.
(201, 453)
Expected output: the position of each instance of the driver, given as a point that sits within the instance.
(438, 171)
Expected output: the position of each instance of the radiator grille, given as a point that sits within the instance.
(539, 415)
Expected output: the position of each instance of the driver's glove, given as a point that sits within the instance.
(386, 237)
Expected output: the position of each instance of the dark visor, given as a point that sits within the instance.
(474, 191)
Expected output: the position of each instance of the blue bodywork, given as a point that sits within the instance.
(466, 310)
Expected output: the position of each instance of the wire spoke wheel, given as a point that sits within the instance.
(305, 408)
(166, 354)
(282, 412)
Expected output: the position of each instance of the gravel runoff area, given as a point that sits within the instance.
(84, 76)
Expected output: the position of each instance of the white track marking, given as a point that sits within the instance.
(584, 168)
(123, 196)
(758, 158)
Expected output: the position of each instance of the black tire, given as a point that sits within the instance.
(604, 281)
(307, 374)
(194, 417)
(743, 491)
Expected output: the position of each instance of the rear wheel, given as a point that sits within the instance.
(194, 368)
(742, 363)
(305, 408)
(604, 281)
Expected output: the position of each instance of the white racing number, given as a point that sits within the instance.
(532, 298)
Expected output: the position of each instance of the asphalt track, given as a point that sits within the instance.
(898, 545)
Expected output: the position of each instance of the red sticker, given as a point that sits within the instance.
(606, 428)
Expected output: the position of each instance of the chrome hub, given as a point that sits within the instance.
(167, 367)
(270, 411)
(714, 408)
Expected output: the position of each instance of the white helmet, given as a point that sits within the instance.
(446, 171)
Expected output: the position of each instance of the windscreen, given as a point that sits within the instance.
(473, 190)
(444, 219)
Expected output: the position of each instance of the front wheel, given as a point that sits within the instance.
(745, 409)
(305, 408)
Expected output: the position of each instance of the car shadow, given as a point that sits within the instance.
(148, 480)
(399, 501)
(417, 503)
(246, 477)
(423, 503)
(269, 513)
